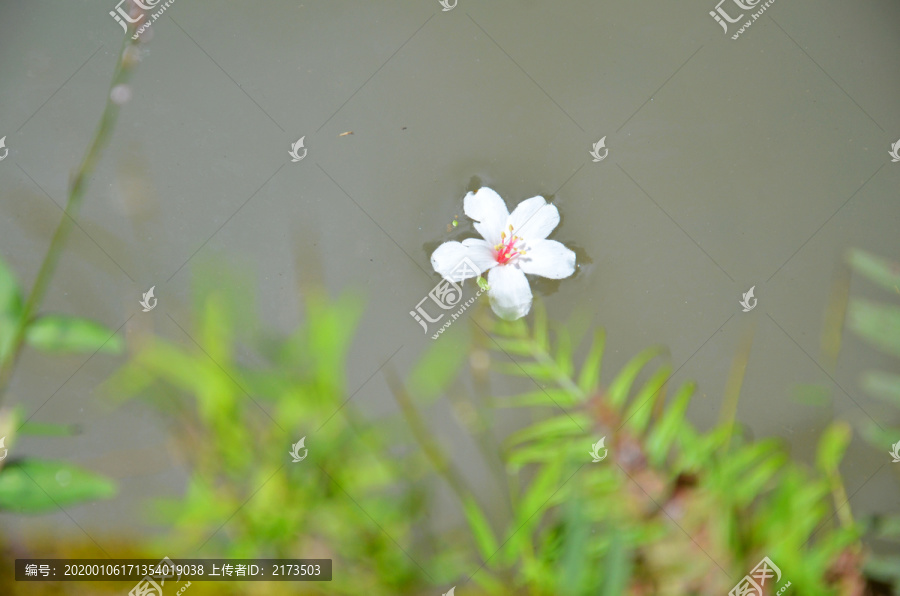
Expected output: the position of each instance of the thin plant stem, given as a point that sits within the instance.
(483, 406)
(734, 383)
(128, 59)
(420, 432)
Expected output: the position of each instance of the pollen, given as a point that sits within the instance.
(508, 250)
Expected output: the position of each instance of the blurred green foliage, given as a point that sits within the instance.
(879, 324)
(671, 510)
(238, 397)
(31, 485)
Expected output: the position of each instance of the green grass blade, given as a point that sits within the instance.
(884, 272)
(621, 386)
(878, 323)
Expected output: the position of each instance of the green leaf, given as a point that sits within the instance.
(755, 480)
(481, 529)
(172, 364)
(49, 430)
(621, 386)
(61, 333)
(545, 488)
(878, 323)
(575, 561)
(536, 371)
(882, 271)
(617, 567)
(516, 328)
(878, 436)
(882, 385)
(39, 486)
(532, 453)
(742, 460)
(216, 335)
(638, 415)
(559, 426)
(589, 378)
(811, 394)
(514, 345)
(663, 434)
(331, 325)
(550, 397)
(832, 445)
(564, 352)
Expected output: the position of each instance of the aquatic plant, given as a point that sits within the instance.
(31, 485)
(665, 509)
(237, 397)
(669, 509)
(879, 324)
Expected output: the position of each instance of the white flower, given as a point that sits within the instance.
(514, 244)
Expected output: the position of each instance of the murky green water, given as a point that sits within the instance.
(731, 164)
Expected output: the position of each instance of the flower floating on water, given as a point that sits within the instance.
(514, 244)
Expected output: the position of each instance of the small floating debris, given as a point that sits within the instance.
(344, 134)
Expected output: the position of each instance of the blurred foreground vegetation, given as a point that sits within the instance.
(670, 511)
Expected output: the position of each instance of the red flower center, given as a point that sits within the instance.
(506, 251)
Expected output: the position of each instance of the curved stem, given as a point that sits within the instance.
(124, 68)
(420, 432)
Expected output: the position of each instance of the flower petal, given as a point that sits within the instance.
(446, 259)
(481, 253)
(534, 219)
(548, 258)
(457, 261)
(489, 211)
(509, 292)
